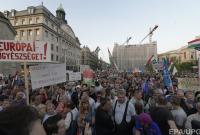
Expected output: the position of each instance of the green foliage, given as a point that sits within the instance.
(185, 66)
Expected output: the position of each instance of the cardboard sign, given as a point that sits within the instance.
(47, 74)
(189, 84)
(29, 51)
(74, 76)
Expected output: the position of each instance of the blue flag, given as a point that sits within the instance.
(146, 87)
(166, 76)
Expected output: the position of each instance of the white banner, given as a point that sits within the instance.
(47, 74)
(74, 76)
(29, 51)
(189, 84)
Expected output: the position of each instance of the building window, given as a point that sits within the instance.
(16, 23)
(184, 55)
(37, 20)
(30, 32)
(57, 39)
(52, 37)
(23, 21)
(46, 21)
(46, 34)
(30, 21)
(52, 26)
(52, 57)
(22, 33)
(56, 48)
(37, 32)
(52, 47)
(56, 57)
(192, 57)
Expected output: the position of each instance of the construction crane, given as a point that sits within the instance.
(127, 41)
(150, 34)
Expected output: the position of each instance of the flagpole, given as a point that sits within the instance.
(26, 82)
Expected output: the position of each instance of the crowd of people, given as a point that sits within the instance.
(116, 104)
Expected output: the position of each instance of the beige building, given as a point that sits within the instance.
(183, 54)
(89, 58)
(128, 57)
(38, 23)
(7, 32)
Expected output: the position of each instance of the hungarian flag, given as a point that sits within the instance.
(152, 60)
(194, 44)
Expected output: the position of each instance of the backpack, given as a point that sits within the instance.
(73, 128)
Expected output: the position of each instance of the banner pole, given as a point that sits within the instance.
(26, 82)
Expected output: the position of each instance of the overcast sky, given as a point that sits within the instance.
(103, 22)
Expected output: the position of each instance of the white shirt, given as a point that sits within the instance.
(120, 109)
(68, 117)
(195, 116)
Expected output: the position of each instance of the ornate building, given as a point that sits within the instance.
(38, 23)
(7, 33)
(89, 58)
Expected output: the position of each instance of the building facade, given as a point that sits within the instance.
(39, 24)
(181, 55)
(89, 58)
(128, 57)
(7, 33)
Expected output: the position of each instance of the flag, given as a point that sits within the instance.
(166, 76)
(194, 44)
(112, 60)
(152, 60)
(146, 87)
(174, 70)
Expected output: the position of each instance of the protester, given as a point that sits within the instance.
(192, 117)
(162, 116)
(71, 119)
(145, 125)
(20, 120)
(20, 99)
(178, 113)
(51, 118)
(123, 110)
(137, 97)
(104, 124)
(86, 115)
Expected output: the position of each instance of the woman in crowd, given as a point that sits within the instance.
(86, 115)
(145, 126)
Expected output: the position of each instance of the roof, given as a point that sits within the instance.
(6, 20)
(60, 8)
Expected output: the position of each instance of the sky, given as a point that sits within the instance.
(104, 22)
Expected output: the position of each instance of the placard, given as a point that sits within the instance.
(47, 74)
(74, 76)
(29, 51)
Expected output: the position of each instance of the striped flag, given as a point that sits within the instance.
(194, 44)
(152, 60)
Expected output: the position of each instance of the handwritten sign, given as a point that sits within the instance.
(47, 74)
